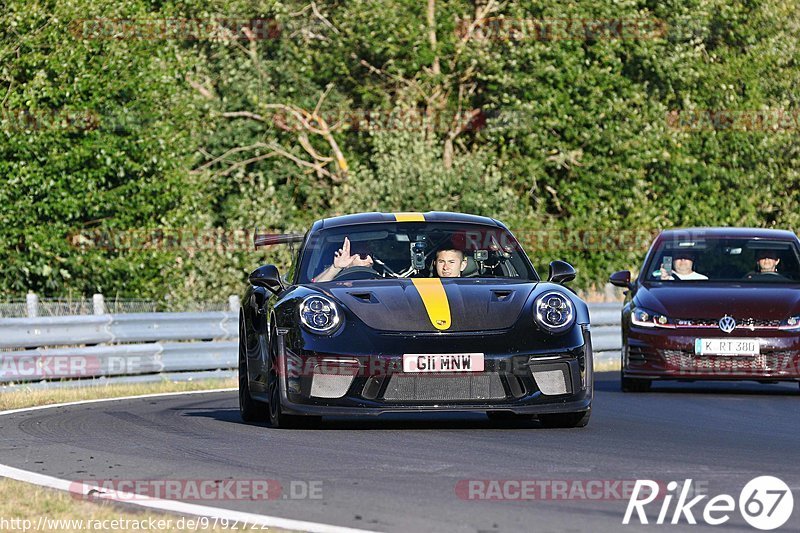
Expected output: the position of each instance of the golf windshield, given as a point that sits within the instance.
(744, 260)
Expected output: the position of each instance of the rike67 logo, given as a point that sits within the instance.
(765, 503)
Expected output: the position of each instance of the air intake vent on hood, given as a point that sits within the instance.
(499, 295)
(366, 297)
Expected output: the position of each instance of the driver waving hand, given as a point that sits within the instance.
(342, 259)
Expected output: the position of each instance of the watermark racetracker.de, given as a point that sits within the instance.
(544, 489)
(776, 120)
(232, 239)
(15, 367)
(190, 29)
(764, 502)
(197, 489)
(561, 29)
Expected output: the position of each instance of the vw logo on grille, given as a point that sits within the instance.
(727, 323)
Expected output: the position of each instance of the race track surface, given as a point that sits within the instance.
(401, 473)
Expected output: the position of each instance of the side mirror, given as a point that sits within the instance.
(266, 276)
(621, 279)
(561, 272)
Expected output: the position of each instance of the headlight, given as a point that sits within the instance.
(319, 314)
(554, 311)
(648, 319)
(792, 323)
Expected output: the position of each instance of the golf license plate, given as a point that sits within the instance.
(443, 362)
(742, 347)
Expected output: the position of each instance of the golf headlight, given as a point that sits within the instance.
(648, 319)
(554, 311)
(792, 323)
(319, 314)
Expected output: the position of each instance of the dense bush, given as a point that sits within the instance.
(585, 144)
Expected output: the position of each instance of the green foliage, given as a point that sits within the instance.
(120, 134)
(405, 173)
(95, 135)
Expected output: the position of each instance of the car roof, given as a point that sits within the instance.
(430, 216)
(732, 233)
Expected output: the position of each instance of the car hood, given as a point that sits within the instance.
(397, 305)
(714, 302)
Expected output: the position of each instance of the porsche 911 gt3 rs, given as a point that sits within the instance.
(412, 312)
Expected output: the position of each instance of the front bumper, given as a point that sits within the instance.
(655, 353)
(557, 381)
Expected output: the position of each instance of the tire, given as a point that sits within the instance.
(277, 418)
(565, 420)
(635, 384)
(249, 409)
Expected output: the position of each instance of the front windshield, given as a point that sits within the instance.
(412, 250)
(744, 260)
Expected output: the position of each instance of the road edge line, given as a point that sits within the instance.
(173, 506)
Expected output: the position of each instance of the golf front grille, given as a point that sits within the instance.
(778, 362)
(444, 387)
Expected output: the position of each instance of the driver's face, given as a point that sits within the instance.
(450, 263)
(768, 263)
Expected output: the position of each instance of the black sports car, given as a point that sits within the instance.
(412, 312)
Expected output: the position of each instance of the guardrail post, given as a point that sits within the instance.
(610, 293)
(233, 303)
(98, 304)
(33, 305)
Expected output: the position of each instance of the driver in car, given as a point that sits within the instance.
(342, 259)
(450, 263)
(766, 265)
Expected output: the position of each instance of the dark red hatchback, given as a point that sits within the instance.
(713, 303)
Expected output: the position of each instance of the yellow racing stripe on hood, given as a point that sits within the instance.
(435, 299)
(409, 217)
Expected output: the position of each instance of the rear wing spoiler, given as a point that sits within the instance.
(268, 239)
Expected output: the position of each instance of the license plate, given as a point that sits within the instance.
(727, 347)
(443, 362)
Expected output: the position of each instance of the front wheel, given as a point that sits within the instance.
(277, 418)
(565, 420)
(249, 409)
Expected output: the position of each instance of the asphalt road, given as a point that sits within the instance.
(410, 473)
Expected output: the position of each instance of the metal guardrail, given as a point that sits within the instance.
(134, 327)
(45, 348)
(606, 333)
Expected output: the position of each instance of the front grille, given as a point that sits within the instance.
(640, 354)
(743, 323)
(444, 387)
(774, 361)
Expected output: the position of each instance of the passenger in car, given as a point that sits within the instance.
(343, 259)
(683, 267)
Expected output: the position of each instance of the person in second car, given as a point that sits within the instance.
(767, 262)
(682, 268)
